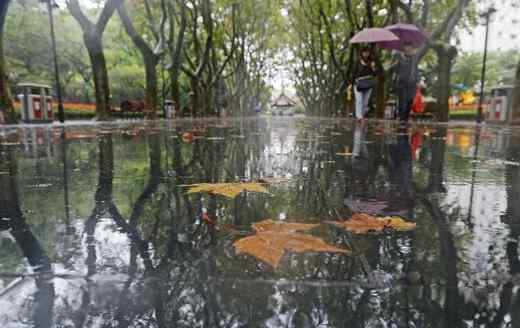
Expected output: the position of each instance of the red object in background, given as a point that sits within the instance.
(49, 108)
(418, 104)
(187, 137)
(415, 144)
(134, 106)
(207, 219)
(37, 108)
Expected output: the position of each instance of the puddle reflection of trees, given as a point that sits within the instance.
(12, 219)
(180, 271)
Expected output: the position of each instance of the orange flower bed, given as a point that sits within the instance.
(467, 107)
(79, 106)
(68, 106)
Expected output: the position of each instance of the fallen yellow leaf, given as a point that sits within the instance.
(273, 180)
(230, 190)
(270, 246)
(363, 223)
(272, 226)
(346, 153)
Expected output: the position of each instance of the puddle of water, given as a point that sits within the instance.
(97, 228)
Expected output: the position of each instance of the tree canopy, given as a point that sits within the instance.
(221, 57)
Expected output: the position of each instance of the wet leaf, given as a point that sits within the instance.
(272, 226)
(230, 190)
(273, 180)
(346, 153)
(371, 207)
(187, 137)
(271, 246)
(364, 223)
(206, 219)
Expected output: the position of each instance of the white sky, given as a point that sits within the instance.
(504, 31)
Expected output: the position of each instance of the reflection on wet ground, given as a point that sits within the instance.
(97, 228)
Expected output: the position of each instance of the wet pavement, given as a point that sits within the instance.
(97, 228)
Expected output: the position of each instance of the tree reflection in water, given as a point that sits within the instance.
(145, 256)
(12, 220)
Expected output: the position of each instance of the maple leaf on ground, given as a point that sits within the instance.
(347, 152)
(272, 226)
(273, 239)
(371, 207)
(230, 190)
(364, 223)
(270, 246)
(273, 180)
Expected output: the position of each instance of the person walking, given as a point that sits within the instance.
(364, 81)
(407, 75)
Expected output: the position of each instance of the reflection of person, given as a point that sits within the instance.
(360, 147)
(364, 73)
(362, 163)
(401, 166)
(407, 76)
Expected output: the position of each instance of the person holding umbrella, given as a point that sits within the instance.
(363, 82)
(405, 67)
(365, 69)
(405, 38)
(405, 64)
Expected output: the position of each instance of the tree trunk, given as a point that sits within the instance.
(438, 149)
(150, 60)
(516, 96)
(176, 93)
(151, 92)
(194, 97)
(7, 114)
(445, 56)
(99, 72)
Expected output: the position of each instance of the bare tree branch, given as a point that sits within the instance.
(106, 13)
(77, 12)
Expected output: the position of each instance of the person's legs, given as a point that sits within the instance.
(359, 103)
(411, 90)
(406, 94)
(401, 98)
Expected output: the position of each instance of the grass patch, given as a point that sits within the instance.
(466, 114)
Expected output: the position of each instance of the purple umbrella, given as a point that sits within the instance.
(374, 35)
(407, 33)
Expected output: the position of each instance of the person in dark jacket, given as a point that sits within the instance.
(405, 67)
(364, 78)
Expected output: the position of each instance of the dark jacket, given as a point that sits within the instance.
(361, 70)
(406, 69)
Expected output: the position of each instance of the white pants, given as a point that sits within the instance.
(362, 99)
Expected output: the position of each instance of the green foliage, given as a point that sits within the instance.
(252, 42)
(500, 68)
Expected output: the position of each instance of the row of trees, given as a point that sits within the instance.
(209, 55)
(204, 55)
(324, 58)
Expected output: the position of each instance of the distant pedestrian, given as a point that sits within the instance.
(405, 67)
(364, 82)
